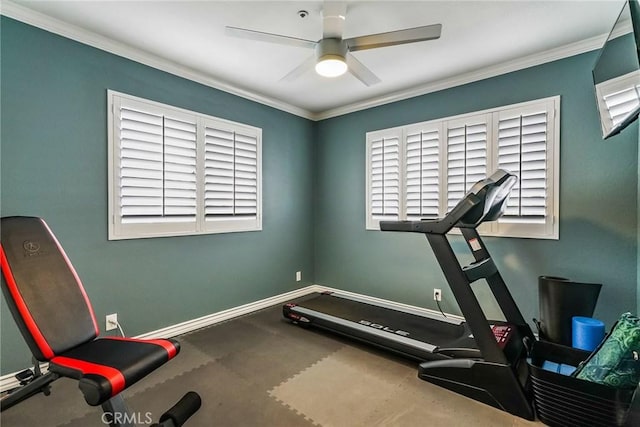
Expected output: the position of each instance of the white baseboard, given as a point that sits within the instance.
(8, 381)
(386, 302)
(221, 316)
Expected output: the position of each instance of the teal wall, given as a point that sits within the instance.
(598, 200)
(54, 165)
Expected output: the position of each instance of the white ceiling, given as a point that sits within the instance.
(479, 39)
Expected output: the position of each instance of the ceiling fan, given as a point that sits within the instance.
(332, 55)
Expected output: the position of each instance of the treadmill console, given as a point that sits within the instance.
(502, 333)
(510, 339)
(485, 201)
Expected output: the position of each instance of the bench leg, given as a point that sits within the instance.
(38, 384)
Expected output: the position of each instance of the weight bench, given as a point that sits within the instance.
(54, 315)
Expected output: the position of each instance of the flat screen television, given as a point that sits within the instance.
(616, 74)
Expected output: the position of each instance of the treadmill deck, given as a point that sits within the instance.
(418, 335)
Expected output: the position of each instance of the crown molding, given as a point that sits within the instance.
(470, 77)
(53, 25)
(81, 35)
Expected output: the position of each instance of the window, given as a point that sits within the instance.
(421, 171)
(177, 172)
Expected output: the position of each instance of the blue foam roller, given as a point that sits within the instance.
(558, 368)
(567, 369)
(587, 332)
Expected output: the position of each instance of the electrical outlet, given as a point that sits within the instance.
(112, 322)
(298, 276)
(437, 294)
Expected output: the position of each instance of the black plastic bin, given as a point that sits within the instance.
(561, 400)
(559, 300)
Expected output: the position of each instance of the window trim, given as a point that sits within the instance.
(501, 228)
(119, 231)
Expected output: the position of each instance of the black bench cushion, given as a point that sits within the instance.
(107, 366)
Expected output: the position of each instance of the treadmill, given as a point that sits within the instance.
(481, 359)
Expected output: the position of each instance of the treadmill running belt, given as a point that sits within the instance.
(435, 332)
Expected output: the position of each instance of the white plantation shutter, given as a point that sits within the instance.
(466, 156)
(219, 161)
(246, 178)
(180, 200)
(522, 150)
(440, 160)
(423, 173)
(141, 173)
(621, 103)
(384, 177)
(157, 160)
(176, 172)
(231, 173)
(617, 99)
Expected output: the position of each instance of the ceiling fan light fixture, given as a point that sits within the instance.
(331, 66)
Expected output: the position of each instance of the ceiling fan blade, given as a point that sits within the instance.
(392, 38)
(307, 65)
(333, 16)
(269, 37)
(360, 71)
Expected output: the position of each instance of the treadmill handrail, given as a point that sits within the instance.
(436, 226)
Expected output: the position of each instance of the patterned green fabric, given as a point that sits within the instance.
(615, 363)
